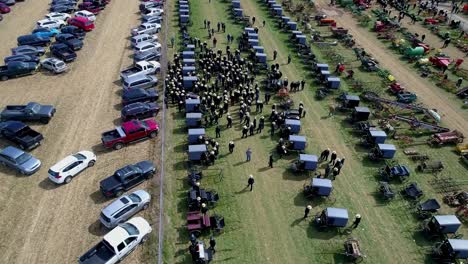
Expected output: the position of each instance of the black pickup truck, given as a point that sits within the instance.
(127, 177)
(63, 52)
(21, 134)
(17, 68)
(30, 112)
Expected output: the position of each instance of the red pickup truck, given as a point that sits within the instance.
(130, 131)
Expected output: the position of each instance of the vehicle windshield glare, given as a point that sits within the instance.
(60, 64)
(23, 158)
(135, 198)
(131, 229)
(79, 156)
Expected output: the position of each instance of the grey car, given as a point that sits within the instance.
(146, 56)
(19, 160)
(147, 47)
(28, 50)
(124, 207)
(152, 19)
(54, 65)
(139, 81)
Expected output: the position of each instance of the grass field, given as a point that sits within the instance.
(265, 225)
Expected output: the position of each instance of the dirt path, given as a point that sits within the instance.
(452, 115)
(43, 223)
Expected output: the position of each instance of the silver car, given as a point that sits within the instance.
(19, 160)
(54, 65)
(124, 207)
(139, 81)
(147, 47)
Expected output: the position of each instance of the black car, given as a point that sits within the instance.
(126, 178)
(62, 8)
(139, 111)
(33, 40)
(63, 52)
(70, 40)
(75, 31)
(21, 134)
(22, 57)
(139, 95)
(146, 56)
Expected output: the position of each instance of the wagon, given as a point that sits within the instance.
(305, 163)
(360, 114)
(238, 12)
(363, 127)
(188, 62)
(349, 101)
(388, 173)
(193, 119)
(261, 57)
(194, 135)
(252, 36)
(440, 139)
(430, 166)
(188, 70)
(253, 42)
(321, 67)
(291, 114)
(201, 254)
(426, 209)
(193, 177)
(450, 250)
(382, 151)
(195, 152)
(192, 105)
(278, 11)
(441, 226)
(326, 21)
(339, 32)
(332, 217)
(456, 199)
(285, 19)
(294, 124)
(197, 223)
(296, 142)
(412, 191)
(188, 54)
(386, 190)
(258, 49)
(206, 197)
(249, 30)
(292, 25)
(236, 4)
(318, 188)
(333, 82)
(353, 250)
(373, 137)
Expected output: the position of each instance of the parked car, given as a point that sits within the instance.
(146, 56)
(153, 11)
(126, 178)
(88, 6)
(21, 134)
(54, 65)
(28, 50)
(17, 68)
(146, 28)
(50, 23)
(58, 16)
(129, 132)
(1, 17)
(64, 2)
(86, 14)
(8, 2)
(33, 40)
(62, 8)
(69, 167)
(75, 31)
(45, 32)
(139, 95)
(141, 68)
(4, 8)
(63, 52)
(29, 112)
(139, 111)
(69, 40)
(21, 57)
(135, 40)
(145, 6)
(139, 81)
(81, 22)
(123, 208)
(118, 243)
(19, 160)
(152, 19)
(147, 47)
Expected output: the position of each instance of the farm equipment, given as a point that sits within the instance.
(388, 173)
(353, 250)
(363, 126)
(426, 209)
(327, 22)
(415, 123)
(305, 163)
(462, 148)
(412, 191)
(318, 188)
(456, 199)
(369, 64)
(197, 196)
(396, 88)
(373, 137)
(386, 190)
(441, 226)
(440, 139)
(450, 250)
(200, 254)
(382, 151)
(194, 177)
(406, 97)
(331, 217)
(462, 93)
(339, 32)
(430, 166)
(198, 222)
(440, 62)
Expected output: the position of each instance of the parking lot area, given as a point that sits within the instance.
(42, 222)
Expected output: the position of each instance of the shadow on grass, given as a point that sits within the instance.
(98, 197)
(47, 185)
(300, 176)
(97, 229)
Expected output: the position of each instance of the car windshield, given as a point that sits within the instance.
(135, 198)
(79, 156)
(60, 64)
(35, 108)
(131, 229)
(23, 158)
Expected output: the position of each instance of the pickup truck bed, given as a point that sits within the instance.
(113, 134)
(99, 254)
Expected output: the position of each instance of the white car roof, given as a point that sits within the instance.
(118, 234)
(84, 12)
(63, 163)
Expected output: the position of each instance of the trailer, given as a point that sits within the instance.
(189, 81)
(415, 123)
(193, 119)
(294, 124)
(188, 70)
(194, 135)
(192, 105)
(440, 139)
(195, 152)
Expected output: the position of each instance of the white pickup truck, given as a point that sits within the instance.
(141, 68)
(118, 243)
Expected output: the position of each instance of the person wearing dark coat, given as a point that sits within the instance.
(251, 129)
(250, 182)
(218, 132)
(333, 157)
(335, 173)
(204, 208)
(356, 222)
(231, 146)
(270, 161)
(272, 128)
(212, 244)
(307, 211)
(324, 155)
(229, 121)
(244, 131)
(327, 171)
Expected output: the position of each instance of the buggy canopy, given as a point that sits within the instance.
(459, 247)
(449, 223)
(309, 160)
(323, 187)
(337, 216)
